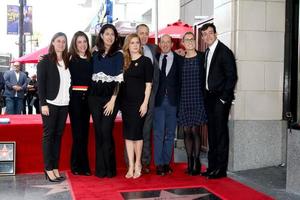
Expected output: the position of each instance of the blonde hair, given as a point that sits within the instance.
(126, 53)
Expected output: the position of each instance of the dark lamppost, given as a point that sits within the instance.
(21, 27)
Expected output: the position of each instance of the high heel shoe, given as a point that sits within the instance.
(137, 172)
(129, 173)
(48, 178)
(58, 176)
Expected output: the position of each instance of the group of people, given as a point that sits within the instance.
(154, 90)
(18, 92)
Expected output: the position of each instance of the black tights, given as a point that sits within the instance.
(192, 140)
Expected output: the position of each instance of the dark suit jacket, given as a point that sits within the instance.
(10, 79)
(154, 50)
(48, 80)
(222, 76)
(170, 83)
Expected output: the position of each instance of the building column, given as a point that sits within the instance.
(254, 30)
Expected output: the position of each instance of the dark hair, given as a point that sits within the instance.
(73, 51)
(100, 44)
(206, 26)
(52, 53)
(141, 25)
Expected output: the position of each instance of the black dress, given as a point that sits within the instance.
(139, 72)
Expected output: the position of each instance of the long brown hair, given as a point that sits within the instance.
(73, 50)
(126, 53)
(52, 53)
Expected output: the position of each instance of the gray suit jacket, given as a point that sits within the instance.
(10, 79)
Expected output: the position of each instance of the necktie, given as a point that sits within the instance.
(164, 65)
(206, 56)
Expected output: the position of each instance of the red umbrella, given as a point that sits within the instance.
(32, 57)
(175, 30)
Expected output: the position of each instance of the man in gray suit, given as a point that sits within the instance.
(150, 50)
(15, 86)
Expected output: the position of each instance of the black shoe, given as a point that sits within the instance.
(197, 167)
(75, 173)
(86, 173)
(168, 169)
(61, 178)
(217, 174)
(207, 173)
(146, 169)
(160, 170)
(48, 178)
(190, 165)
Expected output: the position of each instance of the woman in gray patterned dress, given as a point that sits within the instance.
(191, 104)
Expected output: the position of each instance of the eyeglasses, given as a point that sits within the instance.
(189, 40)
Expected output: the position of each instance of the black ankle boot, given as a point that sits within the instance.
(190, 165)
(197, 166)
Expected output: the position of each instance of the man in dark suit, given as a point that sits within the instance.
(149, 50)
(220, 81)
(164, 122)
(15, 86)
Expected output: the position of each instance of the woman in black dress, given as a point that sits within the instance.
(191, 104)
(107, 74)
(81, 73)
(138, 73)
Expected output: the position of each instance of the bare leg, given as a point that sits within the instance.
(138, 146)
(130, 154)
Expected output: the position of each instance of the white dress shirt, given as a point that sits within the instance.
(63, 96)
(209, 57)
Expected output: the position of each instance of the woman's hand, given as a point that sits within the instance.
(143, 109)
(109, 108)
(45, 110)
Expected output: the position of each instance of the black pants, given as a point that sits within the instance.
(53, 127)
(218, 134)
(80, 121)
(36, 104)
(105, 145)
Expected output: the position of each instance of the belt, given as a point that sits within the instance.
(79, 88)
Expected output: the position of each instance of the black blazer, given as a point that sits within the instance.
(170, 84)
(222, 75)
(48, 80)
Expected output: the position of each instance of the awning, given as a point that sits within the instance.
(32, 57)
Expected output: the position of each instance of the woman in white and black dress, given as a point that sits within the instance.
(107, 74)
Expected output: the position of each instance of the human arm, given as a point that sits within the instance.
(230, 73)
(42, 80)
(144, 106)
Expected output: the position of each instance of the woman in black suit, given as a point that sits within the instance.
(54, 82)
(81, 73)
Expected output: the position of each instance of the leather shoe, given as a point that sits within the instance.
(146, 169)
(86, 173)
(217, 174)
(160, 170)
(75, 172)
(207, 173)
(168, 169)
